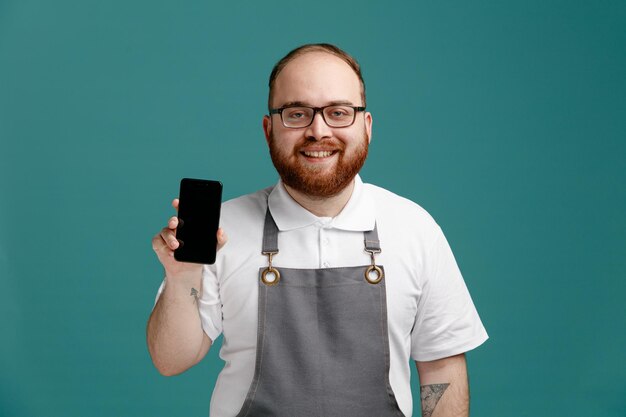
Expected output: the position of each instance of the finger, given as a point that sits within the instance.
(159, 245)
(175, 203)
(222, 238)
(173, 223)
(169, 237)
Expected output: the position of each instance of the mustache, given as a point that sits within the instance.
(320, 145)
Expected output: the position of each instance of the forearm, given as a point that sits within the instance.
(174, 333)
(444, 387)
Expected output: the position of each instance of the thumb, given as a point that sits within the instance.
(221, 238)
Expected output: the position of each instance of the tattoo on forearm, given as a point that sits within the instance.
(194, 293)
(430, 396)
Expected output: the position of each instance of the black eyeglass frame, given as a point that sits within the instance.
(316, 110)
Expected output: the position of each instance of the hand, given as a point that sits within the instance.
(165, 242)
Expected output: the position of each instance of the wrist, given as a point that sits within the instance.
(183, 285)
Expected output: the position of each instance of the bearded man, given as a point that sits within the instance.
(329, 287)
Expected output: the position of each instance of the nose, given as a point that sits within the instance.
(318, 129)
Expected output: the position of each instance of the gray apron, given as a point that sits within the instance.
(322, 344)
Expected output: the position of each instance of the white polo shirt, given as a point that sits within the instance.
(430, 313)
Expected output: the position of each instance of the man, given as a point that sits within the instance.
(328, 286)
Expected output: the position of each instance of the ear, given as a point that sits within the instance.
(267, 127)
(368, 126)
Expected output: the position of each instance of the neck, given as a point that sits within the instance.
(322, 206)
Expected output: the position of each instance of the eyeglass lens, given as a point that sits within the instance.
(334, 116)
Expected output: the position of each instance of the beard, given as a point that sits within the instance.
(318, 181)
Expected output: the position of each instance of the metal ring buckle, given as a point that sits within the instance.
(379, 274)
(373, 267)
(270, 270)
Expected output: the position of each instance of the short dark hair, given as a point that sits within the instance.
(315, 47)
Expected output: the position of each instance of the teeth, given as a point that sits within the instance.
(318, 154)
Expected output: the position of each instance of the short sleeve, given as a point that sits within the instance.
(447, 322)
(210, 305)
(161, 288)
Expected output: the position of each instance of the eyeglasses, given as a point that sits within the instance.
(297, 117)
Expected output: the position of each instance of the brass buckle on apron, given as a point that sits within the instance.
(270, 270)
(373, 268)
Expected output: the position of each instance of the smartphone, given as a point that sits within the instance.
(198, 219)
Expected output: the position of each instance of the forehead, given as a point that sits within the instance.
(317, 78)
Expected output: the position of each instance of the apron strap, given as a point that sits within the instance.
(372, 244)
(270, 236)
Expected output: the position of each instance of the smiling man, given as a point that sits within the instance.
(328, 287)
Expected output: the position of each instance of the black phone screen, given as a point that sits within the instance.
(198, 219)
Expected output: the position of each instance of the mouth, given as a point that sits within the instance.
(318, 154)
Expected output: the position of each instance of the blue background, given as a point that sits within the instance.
(505, 120)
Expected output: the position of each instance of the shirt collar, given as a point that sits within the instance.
(357, 215)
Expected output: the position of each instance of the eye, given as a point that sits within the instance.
(339, 112)
(295, 113)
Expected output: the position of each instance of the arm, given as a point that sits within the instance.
(444, 387)
(176, 340)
